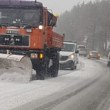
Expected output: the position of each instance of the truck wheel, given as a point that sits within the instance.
(40, 74)
(55, 66)
(41, 71)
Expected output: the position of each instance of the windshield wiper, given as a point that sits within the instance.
(8, 24)
(25, 25)
(28, 26)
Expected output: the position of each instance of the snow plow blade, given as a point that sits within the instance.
(15, 68)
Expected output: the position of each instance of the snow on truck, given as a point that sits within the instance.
(27, 39)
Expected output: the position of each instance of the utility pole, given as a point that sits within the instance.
(93, 37)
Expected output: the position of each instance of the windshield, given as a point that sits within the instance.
(82, 49)
(94, 53)
(20, 17)
(69, 47)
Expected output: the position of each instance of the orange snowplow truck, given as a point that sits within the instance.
(26, 29)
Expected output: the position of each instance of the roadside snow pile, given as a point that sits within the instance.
(16, 71)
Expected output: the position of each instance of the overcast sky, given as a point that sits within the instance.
(60, 6)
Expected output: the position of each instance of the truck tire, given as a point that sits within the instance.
(55, 66)
(42, 70)
(40, 74)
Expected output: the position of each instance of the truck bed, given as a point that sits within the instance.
(57, 40)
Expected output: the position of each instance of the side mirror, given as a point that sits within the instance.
(77, 51)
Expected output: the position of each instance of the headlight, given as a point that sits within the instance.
(41, 27)
(71, 56)
(34, 55)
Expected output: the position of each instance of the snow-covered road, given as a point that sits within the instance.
(15, 95)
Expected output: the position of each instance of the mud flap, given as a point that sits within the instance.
(17, 68)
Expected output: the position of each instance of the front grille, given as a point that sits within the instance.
(63, 58)
(14, 40)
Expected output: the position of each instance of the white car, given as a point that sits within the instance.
(69, 56)
(82, 50)
(108, 59)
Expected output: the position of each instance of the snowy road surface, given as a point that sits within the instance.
(86, 88)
